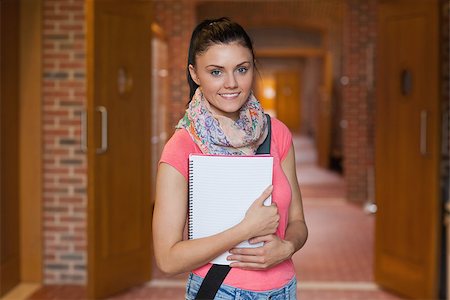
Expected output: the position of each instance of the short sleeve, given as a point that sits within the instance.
(282, 136)
(176, 151)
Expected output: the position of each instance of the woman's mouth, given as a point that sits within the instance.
(229, 95)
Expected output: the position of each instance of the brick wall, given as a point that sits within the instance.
(177, 19)
(64, 166)
(358, 95)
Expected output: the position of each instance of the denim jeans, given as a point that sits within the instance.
(226, 292)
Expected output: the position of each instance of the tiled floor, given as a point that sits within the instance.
(336, 262)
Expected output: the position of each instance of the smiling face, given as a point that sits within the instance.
(224, 73)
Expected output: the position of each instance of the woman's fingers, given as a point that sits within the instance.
(266, 194)
(259, 239)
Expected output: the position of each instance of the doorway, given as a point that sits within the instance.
(409, 217)
(21, 176)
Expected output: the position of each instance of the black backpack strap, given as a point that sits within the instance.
(212, 282)
(217, 273)
(264, 148)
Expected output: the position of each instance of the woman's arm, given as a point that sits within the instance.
(276, 250)
(175, 255)
(297, 231)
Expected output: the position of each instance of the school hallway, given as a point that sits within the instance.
(92, 89)
(335, 263)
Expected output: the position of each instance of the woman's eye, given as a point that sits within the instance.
(216, 72)
(242, 70)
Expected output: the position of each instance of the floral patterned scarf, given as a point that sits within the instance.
(220, 135)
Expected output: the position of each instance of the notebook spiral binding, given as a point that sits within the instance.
(190, 209)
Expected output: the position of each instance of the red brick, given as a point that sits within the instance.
(58, 113)
(56, 55)
(71, 220)
(81, 248)
(73, 64)
(50, 16)
(79, 209)
(56, 170)
(57, 247)
(57, 151)
(71, 27)
(73, 84)
(71, 200)
(56, 228)
(70, 180)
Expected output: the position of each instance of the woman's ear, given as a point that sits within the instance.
(193, 74)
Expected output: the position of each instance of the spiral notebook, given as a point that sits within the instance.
(221, 189)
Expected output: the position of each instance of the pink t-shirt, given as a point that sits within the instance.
(176, 153)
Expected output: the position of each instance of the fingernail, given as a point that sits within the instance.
(270, 188)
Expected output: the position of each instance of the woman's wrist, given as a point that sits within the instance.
(243, 230)
(290, 248)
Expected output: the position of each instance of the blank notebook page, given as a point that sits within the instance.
(221, 189)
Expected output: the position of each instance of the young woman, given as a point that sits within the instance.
(225, 118)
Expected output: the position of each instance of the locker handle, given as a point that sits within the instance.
(83, 145)
(423, 132)
(104, 132)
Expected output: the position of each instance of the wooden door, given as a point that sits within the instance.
(160, 98)
(323, 115)
(119, 132)
(288, 102)
(9, 144)
(407, 149)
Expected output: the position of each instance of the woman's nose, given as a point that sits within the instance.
(231, 82)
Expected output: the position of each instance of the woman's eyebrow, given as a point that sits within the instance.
(222, 67)
(243, 63)
(215, 66)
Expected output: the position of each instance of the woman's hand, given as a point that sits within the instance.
(273, 252)
(259, 219)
